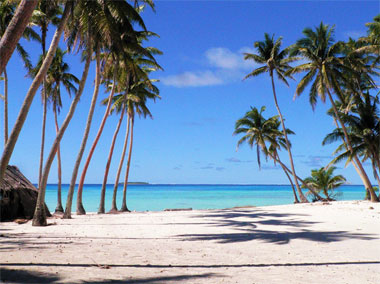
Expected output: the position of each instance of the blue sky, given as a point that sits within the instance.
(190, 138)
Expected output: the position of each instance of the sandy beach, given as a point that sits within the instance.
(305, 243)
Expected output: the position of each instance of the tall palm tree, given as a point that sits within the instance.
(7, 9)
(9, 147)
(324, 72)
(47, 12)
(14, 32)
(261, 132)
(58, 75)
(324, 180)
(276, 61)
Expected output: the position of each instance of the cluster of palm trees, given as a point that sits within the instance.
(111, 33)
(342, 72)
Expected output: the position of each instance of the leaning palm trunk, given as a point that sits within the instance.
(59, 207)
(301, 195)
(290, 180)
(103, 191)
(355, 158)
(116, 185)
(9, 147)
(44, 111)
(70, 193)
(298, 178)
(354, 164)
(5, 106)
(124, 207)
(80, 209)
(15, 30)
(39, 218)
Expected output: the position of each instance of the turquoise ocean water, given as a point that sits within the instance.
(160, 197)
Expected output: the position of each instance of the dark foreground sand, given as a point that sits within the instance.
(308, 243)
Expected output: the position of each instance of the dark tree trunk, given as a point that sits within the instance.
(14, 31)
(59, 208)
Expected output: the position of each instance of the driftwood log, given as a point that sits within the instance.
(18, 196)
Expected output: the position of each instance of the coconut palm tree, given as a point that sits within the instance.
(324, 180)
(276, 62)
(47, 12)
(14, 32)
(7, 9)
(9, 147)
(261, 132)
(142, 90)
(324, 69)
(58, 75)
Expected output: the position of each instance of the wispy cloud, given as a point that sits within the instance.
(317, 161)
(224, 66)
(355, 34)
(236, 160)
(266, 167)
(219, 169)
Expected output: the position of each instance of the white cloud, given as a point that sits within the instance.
(192, 79)
(225, 66)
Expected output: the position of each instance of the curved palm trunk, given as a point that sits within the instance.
(80, 209)
(116, 185)
(44, 111)
(9, 147)
(357, 161)
(15, 30)
(298, 178)
(39, 218)
(103, 191)
(5, 106)
(291, 183)
(353, 162)
(124, 207)
(59, 208)
(70, 194)
(301, 195)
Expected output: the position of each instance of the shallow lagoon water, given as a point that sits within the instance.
(160, 197)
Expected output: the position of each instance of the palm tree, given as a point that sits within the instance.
(48, 11)
(6, 13)
(324, 72)
(325, 181)
(259, 132)
(101, 209)
(14, 32)
(276, 61)
(363, 124)
(58, 75)
(8, 150)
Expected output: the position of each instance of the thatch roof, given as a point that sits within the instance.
(14, 179)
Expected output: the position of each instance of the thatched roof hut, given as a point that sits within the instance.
(18, 196)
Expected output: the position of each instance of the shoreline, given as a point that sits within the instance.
(296, 243)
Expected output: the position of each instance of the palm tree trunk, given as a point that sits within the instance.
(70, 194)
(103, 191)
(80, 209)
(5, 106)
(59, 208)
(44, 111)
(9, 147)
(15, 30)
(301, 195)
(355, 158)
(44, 108)
(124, 207)
(39, 218)
(353, 162)
(116, 185)
(291, 183)
(298, 178)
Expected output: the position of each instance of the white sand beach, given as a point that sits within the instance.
(305, 243)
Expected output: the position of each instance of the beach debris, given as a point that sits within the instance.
(21, 221)
(178, 209)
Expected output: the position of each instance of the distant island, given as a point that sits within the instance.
(135, 183)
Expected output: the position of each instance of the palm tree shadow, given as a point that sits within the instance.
(25, 276)
(248, 230)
